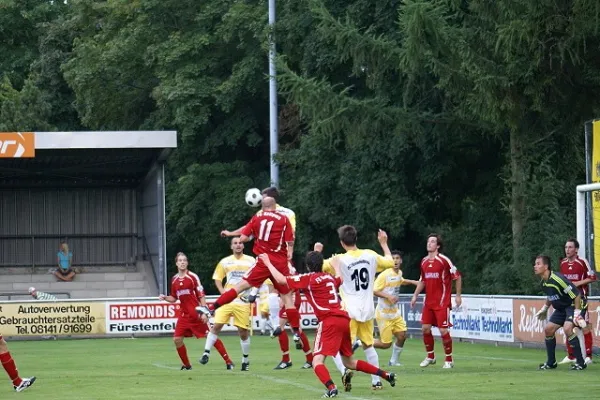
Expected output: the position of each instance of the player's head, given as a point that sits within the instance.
(271, 192)
(347, 235)
(268, 204)
(314, 261)
(542, 264)
(397, 257)
(434, 243)
(237, 246)
(181, 261)
(571, 247)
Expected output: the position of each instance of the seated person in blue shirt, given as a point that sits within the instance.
(65, 271)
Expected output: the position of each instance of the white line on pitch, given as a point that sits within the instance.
(300, 385)
(165, 366)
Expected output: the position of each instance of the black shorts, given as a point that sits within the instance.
(560, 316)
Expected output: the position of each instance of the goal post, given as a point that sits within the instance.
(585, 236)
(588, 197)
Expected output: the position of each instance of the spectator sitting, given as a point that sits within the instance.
(65, 272)
(36, 294)
(42, 296)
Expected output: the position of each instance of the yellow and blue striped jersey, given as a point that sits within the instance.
(559, 291)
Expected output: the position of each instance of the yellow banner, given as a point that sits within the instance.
(52, 319)
(595, 168)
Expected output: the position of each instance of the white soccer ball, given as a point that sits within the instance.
(253, 197)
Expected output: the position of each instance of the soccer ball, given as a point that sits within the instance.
(253, 197)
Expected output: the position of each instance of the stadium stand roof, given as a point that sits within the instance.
(88, 159)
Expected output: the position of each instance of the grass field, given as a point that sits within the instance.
(149, 369)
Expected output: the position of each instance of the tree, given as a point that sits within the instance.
(467, 90)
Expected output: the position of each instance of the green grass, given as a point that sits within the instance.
(148, 369)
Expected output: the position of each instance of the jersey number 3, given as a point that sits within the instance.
(263, 234)
(360, 278)
(333, 293)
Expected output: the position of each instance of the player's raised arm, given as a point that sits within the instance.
(382, 237)
(335, 264)
(278, 276)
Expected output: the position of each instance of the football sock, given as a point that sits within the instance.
(589, 342)
(323, 375)
(293, 318)
(227, 297)
(211, 338)
(551, 349)
(367, 368)
(11, 368)
(222, 351)
(339, 364)
(447, 342)
(569, 348)
(373, 359)
(245, 349)
(306, 347)
(284, 345)
(182, 351)
(273, 301)
(396, 351)
(574, 342)
(263, 324)
(429, 342)
(254, 291)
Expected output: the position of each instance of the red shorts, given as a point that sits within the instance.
(333, 336)
(439, 318)
(187, 328)
(259, 273)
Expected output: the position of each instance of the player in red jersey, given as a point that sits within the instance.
(333, 332)
(578, 271)
(19, 384)
(437, 274)
(186, 287)
(273, 234)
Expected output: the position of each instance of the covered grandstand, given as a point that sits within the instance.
(102, 192)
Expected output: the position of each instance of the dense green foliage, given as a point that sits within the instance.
(458, 116)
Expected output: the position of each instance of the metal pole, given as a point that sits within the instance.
(273, 114)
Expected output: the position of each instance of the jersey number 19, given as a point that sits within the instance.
(361, 279)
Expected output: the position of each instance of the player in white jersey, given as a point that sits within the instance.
(358, 268)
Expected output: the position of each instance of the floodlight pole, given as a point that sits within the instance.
(273, 114)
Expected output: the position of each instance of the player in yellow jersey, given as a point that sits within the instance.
(389, 318)
(263, 307)
(232, 269)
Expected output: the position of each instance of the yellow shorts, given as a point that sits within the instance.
(263, 308)
(362, 331)
(387, 328)
(239, 312)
